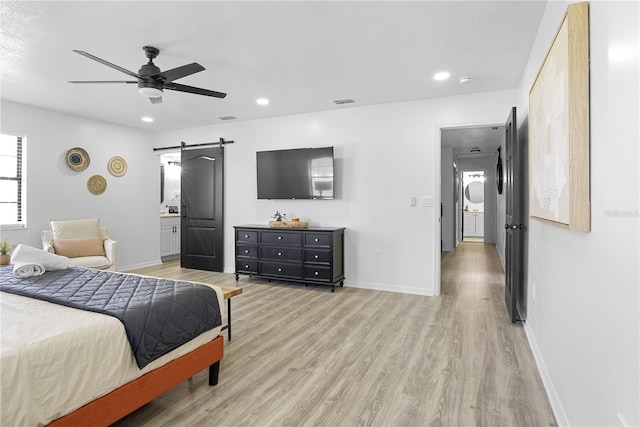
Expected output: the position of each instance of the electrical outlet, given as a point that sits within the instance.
(427, 201)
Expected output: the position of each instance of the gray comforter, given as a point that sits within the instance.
(159, 315)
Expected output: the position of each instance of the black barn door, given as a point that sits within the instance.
(202, 231)
(515, 215)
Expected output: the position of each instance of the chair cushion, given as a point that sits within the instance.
(76, 229)
(73, 248)
(99, 262)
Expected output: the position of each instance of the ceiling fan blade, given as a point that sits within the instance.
(109, 64)
(157, 100)
(190, 89)
(179, 72)
(103, 81)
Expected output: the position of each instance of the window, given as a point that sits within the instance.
(12, 185)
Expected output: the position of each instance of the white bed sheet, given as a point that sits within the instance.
(55, 359)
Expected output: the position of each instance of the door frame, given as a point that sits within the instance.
(437, 285)
(460, 211)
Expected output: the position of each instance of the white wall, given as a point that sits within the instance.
(448, 197)
(384, 155)
(128, 207)
(583, 322)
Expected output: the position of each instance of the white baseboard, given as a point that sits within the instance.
(390, 288)
(379, 287)
(554, 399)
(140, 265)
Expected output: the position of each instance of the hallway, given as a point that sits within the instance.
(501, 359)
(472, 269)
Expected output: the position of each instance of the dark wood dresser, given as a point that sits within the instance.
(313, 255)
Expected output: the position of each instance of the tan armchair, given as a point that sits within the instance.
(84, 242)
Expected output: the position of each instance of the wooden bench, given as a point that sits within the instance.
(229, 292)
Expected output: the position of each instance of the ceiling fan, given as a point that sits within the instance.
(151, 81)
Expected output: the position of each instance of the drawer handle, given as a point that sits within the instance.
(246, 266)
(279, 270)
(279, 237)
(279, 253)
(316, 240)
(316, 256)
(246, 251)
(246, 236)
(316, 273)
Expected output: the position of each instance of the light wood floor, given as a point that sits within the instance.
(304, 356)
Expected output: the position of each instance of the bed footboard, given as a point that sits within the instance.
(122, 401)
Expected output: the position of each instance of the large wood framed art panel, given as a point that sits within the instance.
(559, 128)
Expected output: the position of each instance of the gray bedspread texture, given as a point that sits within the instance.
(159, 315)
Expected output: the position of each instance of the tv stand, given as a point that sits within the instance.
(312, 255)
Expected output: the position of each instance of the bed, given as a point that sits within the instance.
(66, 366)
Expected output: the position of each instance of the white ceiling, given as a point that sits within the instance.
(300, 55)
(465, 139)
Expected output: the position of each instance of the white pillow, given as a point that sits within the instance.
(76, 229)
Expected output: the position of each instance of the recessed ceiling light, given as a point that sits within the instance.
(262, 101)
(443, 75)
(147, 119)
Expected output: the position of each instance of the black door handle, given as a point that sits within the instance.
(514, 226)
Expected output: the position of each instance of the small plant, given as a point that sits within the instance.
(5, 247)
(279, 216)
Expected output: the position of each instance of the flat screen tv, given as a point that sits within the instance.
(302, 173)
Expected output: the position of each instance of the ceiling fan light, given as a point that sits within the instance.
(150, 92)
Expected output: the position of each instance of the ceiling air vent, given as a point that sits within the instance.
(227, 117)
(343, 101)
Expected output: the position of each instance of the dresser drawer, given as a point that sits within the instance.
(246, 251)
(281, 269)
(247, 266)
(281, 238)
(276, 253)
(322, 256)
(246, 236)
(318, 239)
(317, 273)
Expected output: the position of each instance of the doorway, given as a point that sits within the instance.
(472, 149)
(472, 207)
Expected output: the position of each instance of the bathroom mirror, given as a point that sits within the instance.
(474, 192)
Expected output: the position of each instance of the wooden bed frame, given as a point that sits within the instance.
(122, 401)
